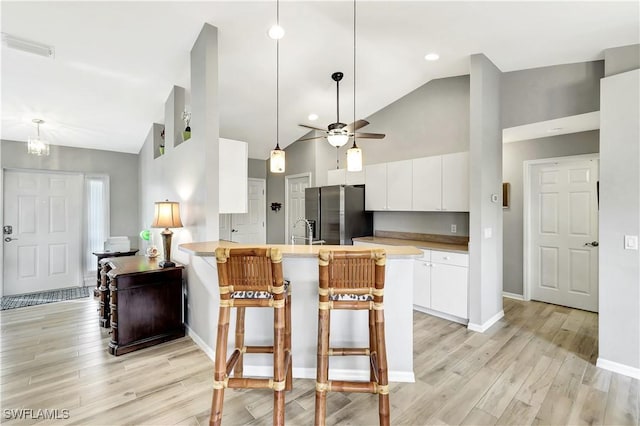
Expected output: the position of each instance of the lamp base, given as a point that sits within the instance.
(166, 264)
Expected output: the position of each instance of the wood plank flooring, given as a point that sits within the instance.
(535, 366)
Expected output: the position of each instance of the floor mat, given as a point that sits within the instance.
(32, 299)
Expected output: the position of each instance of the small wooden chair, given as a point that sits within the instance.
(252, 277)
(352, 280)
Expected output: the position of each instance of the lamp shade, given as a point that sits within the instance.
(338, 140)
(354, 159)
(167, 215)
(276, 161)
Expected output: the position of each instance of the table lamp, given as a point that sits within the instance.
(167, 215)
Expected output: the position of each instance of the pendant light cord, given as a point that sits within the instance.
(278, 78)
(354, 71)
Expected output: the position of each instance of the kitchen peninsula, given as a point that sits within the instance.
(300, 267)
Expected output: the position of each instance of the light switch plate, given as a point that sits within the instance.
(631, 242)
(488, 233)
(454, 228)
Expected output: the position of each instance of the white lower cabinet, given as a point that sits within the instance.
(441, 283)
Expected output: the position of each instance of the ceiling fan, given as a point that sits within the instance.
(338, 133)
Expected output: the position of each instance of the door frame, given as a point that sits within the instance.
(527, 166)
(81, 244)
(286, 200)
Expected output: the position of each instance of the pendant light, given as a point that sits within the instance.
(35, 145)
(354, 154)
(277, 158)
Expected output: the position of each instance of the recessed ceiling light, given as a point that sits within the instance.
(431, 56)
(312, 117)
(276, 32)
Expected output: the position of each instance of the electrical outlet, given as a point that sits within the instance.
(631, 242)
(454, 228)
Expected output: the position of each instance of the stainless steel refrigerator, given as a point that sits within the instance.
(336, 213)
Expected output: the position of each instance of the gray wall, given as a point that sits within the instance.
(258, 168)
(122, 169)
(540, 94)
(422, 222)
(619, 325)
(485, 252)
(621, 59)
(514, 154)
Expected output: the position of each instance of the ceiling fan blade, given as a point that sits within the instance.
(358, 124)
(312, 128)
(308, 139)
(370, 135)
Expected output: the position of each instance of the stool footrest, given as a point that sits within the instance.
(351, 386)
(232, 361)
(259, 349)
(250, 383)
(349, 351)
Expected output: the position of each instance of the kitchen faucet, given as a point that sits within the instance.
(308, 232)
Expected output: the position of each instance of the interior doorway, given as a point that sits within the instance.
(42, 231)
(248, 227)
(294, 203)
(561, 231)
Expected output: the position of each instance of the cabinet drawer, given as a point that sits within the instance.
(449, 258)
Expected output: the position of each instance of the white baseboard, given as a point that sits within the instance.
(481, 328)
(302, 373)
(619, 368)
(512, 295)
(428, 311)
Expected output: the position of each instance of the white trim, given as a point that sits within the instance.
(302, 373)
(481, 328)
(442, 315)
(526, 216)
(512, 295)
(286, 200)
(616, 367)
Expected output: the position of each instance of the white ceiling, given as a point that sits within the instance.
(116, 62)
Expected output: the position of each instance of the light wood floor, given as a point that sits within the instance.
(536, 366)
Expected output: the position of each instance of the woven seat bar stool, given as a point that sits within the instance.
(352, 280)
(252, 277)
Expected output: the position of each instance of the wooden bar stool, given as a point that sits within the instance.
(252, 277)
(352, 280)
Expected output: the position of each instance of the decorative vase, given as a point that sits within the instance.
(161, 149)
(152, 252)
(186, 134)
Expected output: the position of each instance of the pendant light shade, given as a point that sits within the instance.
(36, 145)
(354, 158)
(276, 160)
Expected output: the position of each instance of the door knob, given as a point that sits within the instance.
(234, 230)
(592, 244)
(9, 239)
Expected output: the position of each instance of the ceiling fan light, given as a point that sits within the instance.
(276, 160)
(338, 140)
(354, 158)
(276, 32)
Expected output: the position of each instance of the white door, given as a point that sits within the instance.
(294, 205)
(564, 233)
(44, 211)
(249, 227)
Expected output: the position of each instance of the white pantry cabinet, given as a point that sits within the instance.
(388, 186)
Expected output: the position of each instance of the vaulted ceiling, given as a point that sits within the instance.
(115, 62)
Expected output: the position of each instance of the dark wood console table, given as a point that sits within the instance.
(104, 254)
(145, 302)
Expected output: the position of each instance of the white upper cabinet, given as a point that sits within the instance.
(441, 183)
(375, 187)
(234, 176)
(343, 177)
(399, 184)
(455, 182)
(388, 186)
(427, 183)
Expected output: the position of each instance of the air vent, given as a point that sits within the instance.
(28, 46)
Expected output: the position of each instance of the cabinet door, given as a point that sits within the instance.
(399, 184)
(449, 289)
(427, 183)
(422, 284)
(375, 190)
(336, 177)
(455, 182)
(355, 178)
